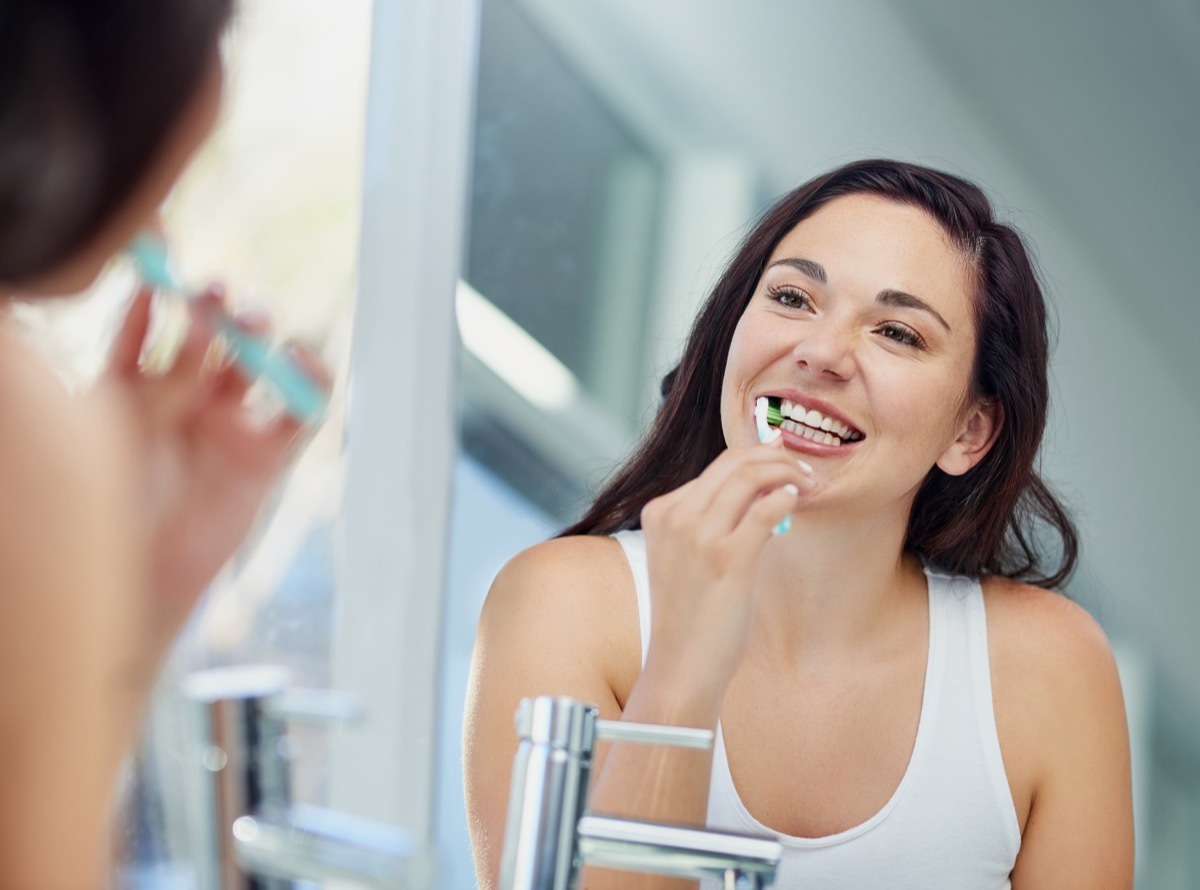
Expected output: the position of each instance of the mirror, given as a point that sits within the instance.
(620, 149)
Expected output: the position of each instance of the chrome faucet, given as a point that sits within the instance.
(548, 838)
(254, 836)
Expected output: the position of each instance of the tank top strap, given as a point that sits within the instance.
(968, 716)
(633, 543)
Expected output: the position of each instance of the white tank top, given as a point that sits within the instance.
(951, 821)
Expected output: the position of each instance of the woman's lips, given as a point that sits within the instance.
(800, 441)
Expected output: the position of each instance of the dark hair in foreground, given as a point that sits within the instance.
(988, 521)
(89, 90)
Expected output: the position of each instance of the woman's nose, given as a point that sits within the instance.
(825, 350)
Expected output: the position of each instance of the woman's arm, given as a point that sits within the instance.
(118, 509)
(70, 560)
(1057, 670)
(561, 619)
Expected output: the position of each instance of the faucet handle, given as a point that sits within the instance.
(654, 734)
(322, 706)
(574, 725)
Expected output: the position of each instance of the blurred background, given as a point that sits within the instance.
(617, 152)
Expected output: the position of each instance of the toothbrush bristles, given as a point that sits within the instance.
(774, 412)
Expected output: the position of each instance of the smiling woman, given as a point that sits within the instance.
(897, 695)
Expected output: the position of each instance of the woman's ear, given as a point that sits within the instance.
(977, 434)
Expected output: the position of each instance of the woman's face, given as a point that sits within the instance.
(863, 315)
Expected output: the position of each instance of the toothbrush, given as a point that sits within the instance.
(764, 412)
(304, 399)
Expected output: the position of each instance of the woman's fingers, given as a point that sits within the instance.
(197, 341)
(758, 524)
(127, 346)
(287, 426)
(744, 490)
(714, 503)
(306, 357)
(231, 382)
(731, 462)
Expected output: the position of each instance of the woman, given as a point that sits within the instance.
(120, 505)
(898, 694)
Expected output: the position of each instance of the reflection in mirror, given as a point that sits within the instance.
(620, 149)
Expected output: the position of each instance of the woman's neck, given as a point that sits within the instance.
(833, 587)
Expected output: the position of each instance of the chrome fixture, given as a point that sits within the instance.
(254, 836)
(548, 838)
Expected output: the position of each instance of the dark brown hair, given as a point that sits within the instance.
(89, 91)
(992, 520)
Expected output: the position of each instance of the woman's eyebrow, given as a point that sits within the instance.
(889, 297)
(908, 301)
(812, 269)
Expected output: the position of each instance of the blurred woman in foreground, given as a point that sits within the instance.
(119, 505)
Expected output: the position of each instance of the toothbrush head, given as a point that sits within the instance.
(764, 409)
(766, 415)
(774, 411)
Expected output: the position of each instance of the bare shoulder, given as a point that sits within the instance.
(48, 440)
(576, 574)
(65, 470)
(1044, 630)
(575, 592)
(579, 565)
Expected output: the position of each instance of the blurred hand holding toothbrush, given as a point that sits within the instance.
(304, 398)
(209, 461)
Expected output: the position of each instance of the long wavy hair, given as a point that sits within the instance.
(1000, 517)
(89, 92)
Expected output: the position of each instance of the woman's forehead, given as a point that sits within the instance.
(851, 220)
(868, 241)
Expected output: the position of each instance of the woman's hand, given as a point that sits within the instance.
(703, 543)
(208, 463)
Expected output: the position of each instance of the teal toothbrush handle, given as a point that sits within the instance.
(303, 398)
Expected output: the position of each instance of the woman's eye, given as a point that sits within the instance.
(903, 335)
(791, 297)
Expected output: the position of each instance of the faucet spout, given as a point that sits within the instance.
(677, 851)
(253, 836)
(549, 838)
(312, 843)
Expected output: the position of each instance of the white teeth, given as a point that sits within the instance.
(815, 425)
